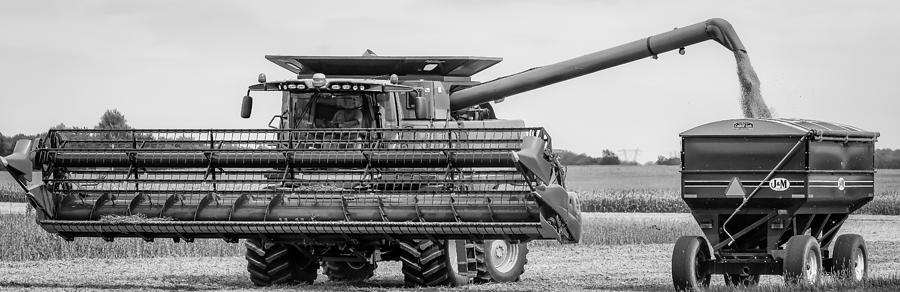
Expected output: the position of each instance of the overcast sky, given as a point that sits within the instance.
(179, 64)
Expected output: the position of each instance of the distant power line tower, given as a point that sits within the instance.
(630, 154)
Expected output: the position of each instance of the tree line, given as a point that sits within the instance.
(607, 157)
(110, 120)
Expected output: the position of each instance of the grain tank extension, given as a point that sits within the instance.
(371, 158)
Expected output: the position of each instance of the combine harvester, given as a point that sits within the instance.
(770, 196)
(372, 158)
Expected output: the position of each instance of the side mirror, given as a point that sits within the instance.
(421, 108)
(246, 107)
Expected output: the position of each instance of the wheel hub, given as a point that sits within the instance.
(500, 251)
(859, 266)
(811, 267)
(504, 255)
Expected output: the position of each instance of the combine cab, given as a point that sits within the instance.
(371, 158)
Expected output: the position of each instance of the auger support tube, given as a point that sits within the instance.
(714, 29)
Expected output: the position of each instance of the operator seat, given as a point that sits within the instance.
(348, 118)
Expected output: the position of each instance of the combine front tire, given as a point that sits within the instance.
(850, 257)
(688, 264)
(802, 260)
(433, 262)
(270, 264)
(349, 271)
(500, 261)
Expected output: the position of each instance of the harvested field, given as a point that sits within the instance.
(24, 240)
(624, 251)
(550, 268)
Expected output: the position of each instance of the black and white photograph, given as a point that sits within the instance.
(437, 145)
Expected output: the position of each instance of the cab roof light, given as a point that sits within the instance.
(319, 80)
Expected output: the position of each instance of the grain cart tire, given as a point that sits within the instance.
(278, 264)
(349, 271)
(433, 262)
(500, 261)
(688, 257)
(850, 257)
(741, 280)
(802, 260)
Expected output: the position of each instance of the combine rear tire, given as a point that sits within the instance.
(850, 257)
(433, 262)
(271, 264)
(802, 260)
(500, 261)
(688, 264)
(349, 271)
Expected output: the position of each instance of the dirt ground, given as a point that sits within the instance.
(550, 268)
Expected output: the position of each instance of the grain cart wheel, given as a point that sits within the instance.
(349, 271)
(688, 258)
(850, 257)
(500, 260)
(270, 264)
(433, 262)
(802, 260)
(741, 280)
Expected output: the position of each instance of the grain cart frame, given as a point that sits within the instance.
(770, 196)
(372, 158)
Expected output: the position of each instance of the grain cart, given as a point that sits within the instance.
(372, 158)
(770, 196)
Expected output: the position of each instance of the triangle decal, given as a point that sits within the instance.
(735, 189)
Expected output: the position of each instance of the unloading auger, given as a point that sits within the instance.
(372, 158)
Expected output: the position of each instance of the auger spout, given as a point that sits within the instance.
(713, 29)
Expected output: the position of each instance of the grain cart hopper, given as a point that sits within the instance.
(371, 158)
(770, 196)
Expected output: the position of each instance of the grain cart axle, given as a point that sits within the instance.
(770, 196)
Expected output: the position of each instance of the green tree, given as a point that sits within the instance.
(3, 148)
(887, 158)
(609, 158)
(567, 157)
(113, 120)
(662, 160)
